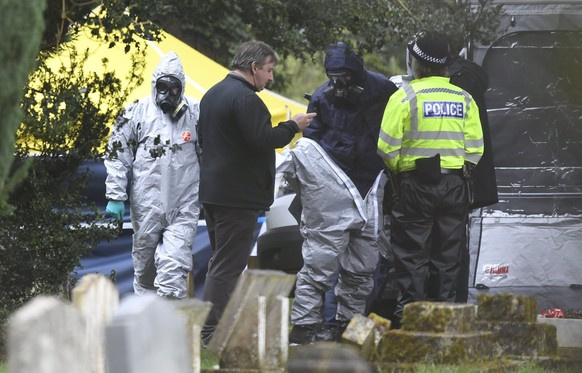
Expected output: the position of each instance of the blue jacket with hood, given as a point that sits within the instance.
(349, 133)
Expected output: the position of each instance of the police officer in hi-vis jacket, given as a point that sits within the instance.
(430, 137)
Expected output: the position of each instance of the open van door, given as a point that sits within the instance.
(531, 241)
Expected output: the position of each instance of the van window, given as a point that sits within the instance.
(535, 81)
(534, 106)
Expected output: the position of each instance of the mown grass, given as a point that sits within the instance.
(207, 360)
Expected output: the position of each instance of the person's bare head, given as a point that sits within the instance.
(251, 52)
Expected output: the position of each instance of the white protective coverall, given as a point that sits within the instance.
(159, 155)
(340, 229)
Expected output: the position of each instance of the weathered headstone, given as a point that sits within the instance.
(196, 312)
(361, 332)
(47, 335)
(513, 321)
(436, 333)
(568, 331)
(253, 330)
(147, 335)
(382, 326)
(96, 297)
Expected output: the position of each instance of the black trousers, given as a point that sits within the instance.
(428, 235)
(231, 232)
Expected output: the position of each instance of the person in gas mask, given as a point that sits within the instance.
(153, 147)
(336, 172)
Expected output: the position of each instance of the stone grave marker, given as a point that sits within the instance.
(513, 321)
(436, 333)
(47, 335)
(196, 312)
(361, 332)
(96, 297)
(253, 330)
(147, 335)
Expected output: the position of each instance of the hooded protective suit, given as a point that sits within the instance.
(349, 133)
(342, 226)
(341, 230)
(158, 153)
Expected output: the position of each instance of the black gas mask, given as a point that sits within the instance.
(168, 96)
(343, 90)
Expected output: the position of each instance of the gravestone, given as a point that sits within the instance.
(147, 335)
(195, 311)
(513, 321)
(568, 331)
(436, 333)
(96, 297)
(47, 335)
(361, 332)
(253, 330)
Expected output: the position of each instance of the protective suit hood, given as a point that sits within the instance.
(340, 56)
(170, 65)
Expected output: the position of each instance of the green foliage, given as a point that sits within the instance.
(301, 77)
(208, 361)
(105, 18)
(300, 28)
(214, 27)
(304, 28)
(18, 47)
(67, 116)
(307, 27)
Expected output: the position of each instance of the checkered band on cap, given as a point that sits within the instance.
(426, 57)
(430, 51)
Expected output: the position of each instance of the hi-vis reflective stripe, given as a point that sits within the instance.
(388, 156)
(412, 102)
(429, 152)
(453, 109)
(474, 143)
(435, 135)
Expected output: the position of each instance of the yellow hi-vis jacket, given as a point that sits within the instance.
(426, 117)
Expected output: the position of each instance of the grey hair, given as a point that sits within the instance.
(421, 70)
(252, 51)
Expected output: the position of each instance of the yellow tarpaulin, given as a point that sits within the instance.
(201, 72)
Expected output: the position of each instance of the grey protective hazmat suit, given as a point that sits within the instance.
(340, 229)
(158, 153)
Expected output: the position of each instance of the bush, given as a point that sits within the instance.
(67, 117)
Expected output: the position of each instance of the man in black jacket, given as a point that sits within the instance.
(237, 170)
(473, 79)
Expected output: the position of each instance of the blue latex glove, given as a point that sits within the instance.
(116, 208)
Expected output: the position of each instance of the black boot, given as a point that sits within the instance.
(332, 332)
(303, 334)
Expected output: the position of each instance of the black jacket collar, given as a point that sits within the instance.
(233, 75)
